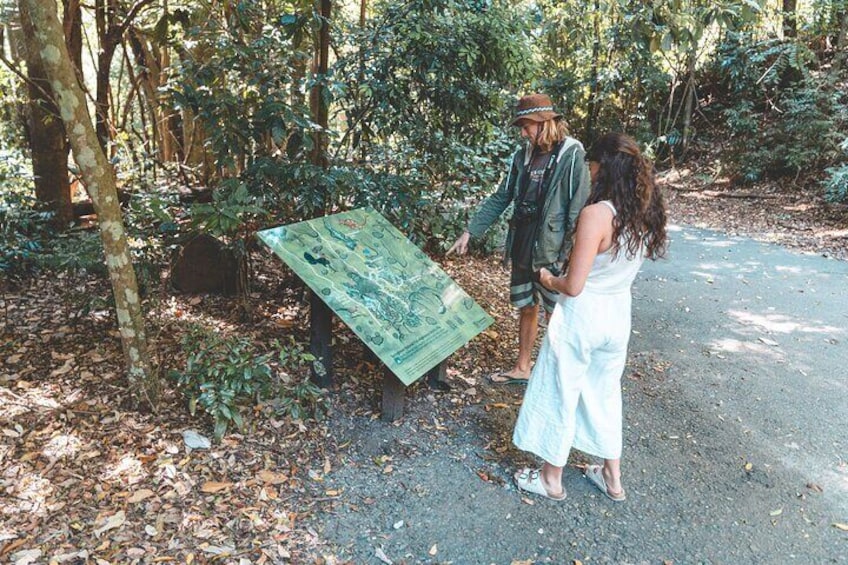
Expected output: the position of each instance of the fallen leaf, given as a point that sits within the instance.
(195, 440)
(64, 369)
(379, 554)
(434, 550)
(271, 477)
(140, 495)
(26, 556)
(110, 523)
(215, 486)
(223, 550)
(8, 548)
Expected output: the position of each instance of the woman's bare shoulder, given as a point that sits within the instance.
(596, 212)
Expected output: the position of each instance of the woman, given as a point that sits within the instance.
(574, 396)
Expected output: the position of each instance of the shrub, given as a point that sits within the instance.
(225, 375)
(783, 116)
(23, 228)
(836, 183)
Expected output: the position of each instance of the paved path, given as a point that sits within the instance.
(736, 410)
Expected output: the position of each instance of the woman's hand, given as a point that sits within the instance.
(547, 278)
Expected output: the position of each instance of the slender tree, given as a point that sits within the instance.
(99, 180)
(110, 29)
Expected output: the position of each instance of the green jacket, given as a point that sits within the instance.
(568, 189)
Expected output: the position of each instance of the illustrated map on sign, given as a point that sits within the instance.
(400, 303)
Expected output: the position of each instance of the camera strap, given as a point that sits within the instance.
(524, 179)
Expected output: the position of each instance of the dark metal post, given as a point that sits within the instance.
(320, 341)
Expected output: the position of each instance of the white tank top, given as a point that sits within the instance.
(614, 275)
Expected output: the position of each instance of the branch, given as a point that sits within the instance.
(17, 72)
(128, 20)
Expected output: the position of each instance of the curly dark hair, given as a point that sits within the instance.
(626, 178)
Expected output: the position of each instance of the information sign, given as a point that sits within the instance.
(401, 304)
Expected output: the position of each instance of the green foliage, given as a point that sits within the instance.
(783, 116)
(238, 81)
(11, 96)
(242, 80)
(836, 183)
(225, 375)
(425, 102)
(231, 208)
(297, 396)
(23, 228)
(75, 252)
(756, 71)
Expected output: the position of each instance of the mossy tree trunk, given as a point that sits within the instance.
(99, 179)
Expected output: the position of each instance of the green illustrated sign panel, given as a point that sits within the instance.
(399, 302)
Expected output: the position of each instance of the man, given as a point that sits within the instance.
(548, 182)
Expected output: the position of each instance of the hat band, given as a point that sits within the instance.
(534, 110)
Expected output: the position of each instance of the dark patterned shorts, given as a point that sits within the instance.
(524, 291)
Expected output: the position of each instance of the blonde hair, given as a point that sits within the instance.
(550, 133)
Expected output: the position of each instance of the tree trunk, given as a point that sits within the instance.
(790, 18)
(109, 32)
(320, 315)
(99, 179)
(841, 46)
(72, 27)
(148, 77)
(688, 103)
(104, 16)
(592, 110)
(46, 134)
(317, 103)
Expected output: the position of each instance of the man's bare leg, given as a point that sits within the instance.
(527, 330)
